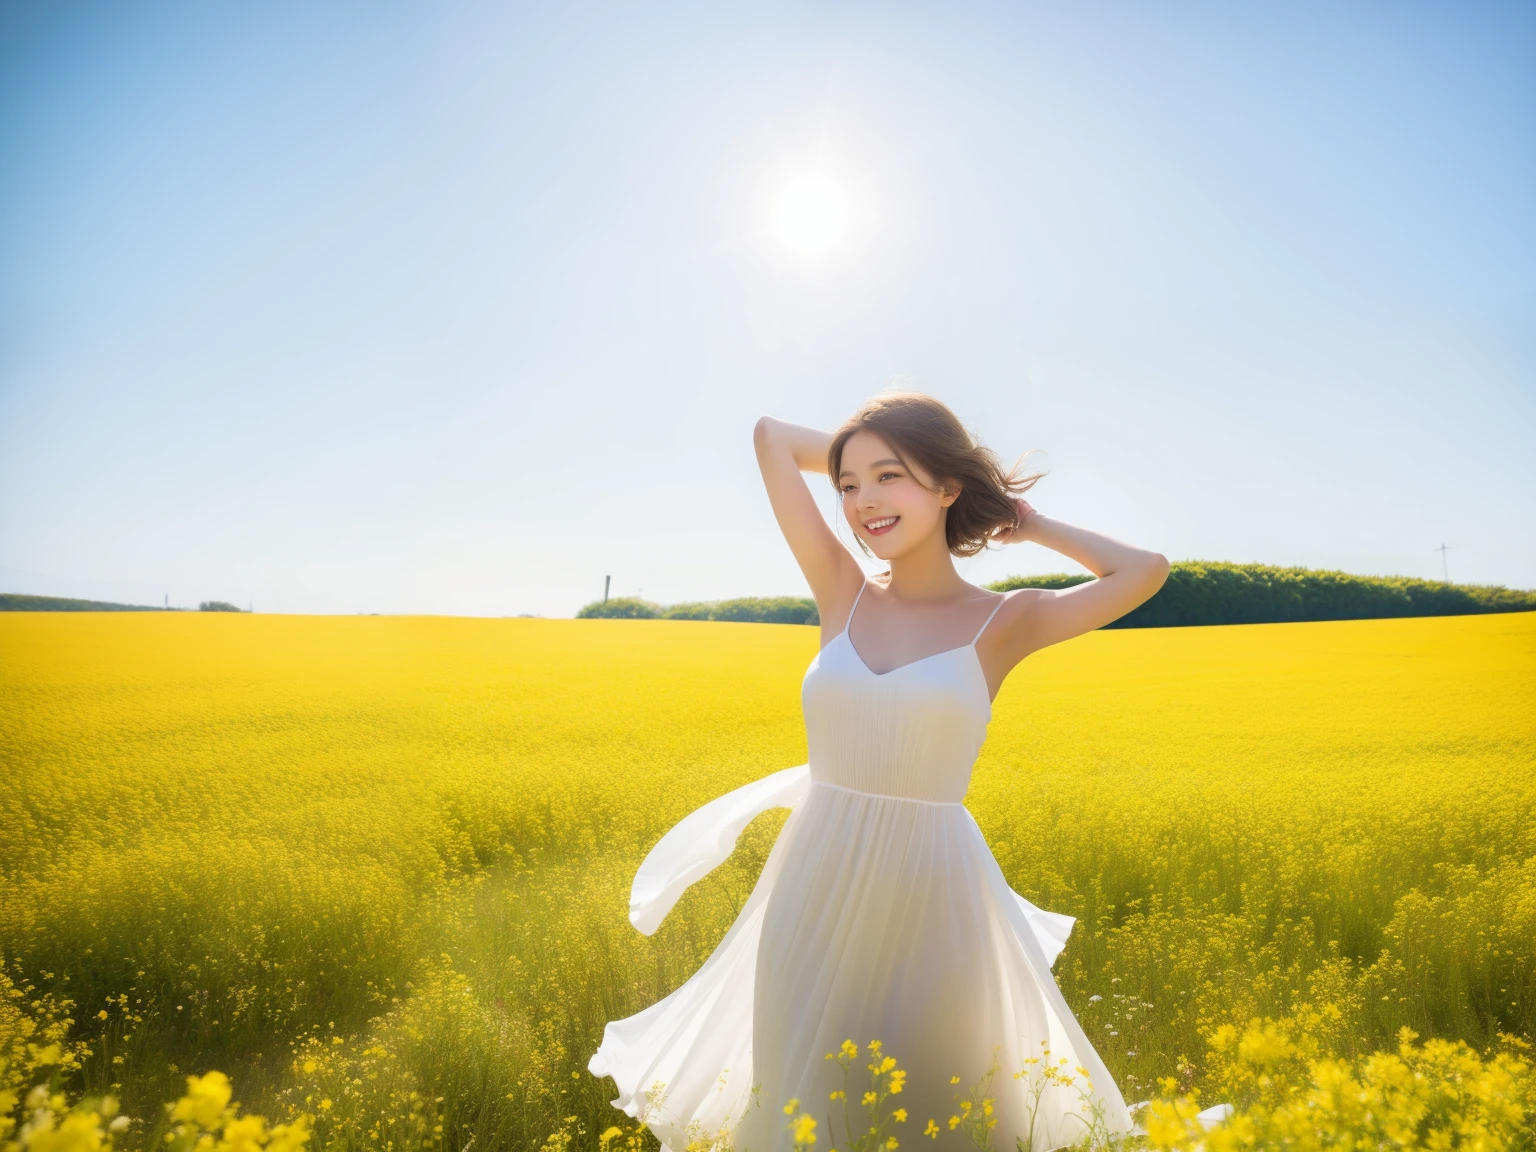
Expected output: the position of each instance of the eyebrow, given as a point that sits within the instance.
(876, 464)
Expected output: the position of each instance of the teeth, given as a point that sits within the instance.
(873, 524)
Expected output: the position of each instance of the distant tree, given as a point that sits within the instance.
(745, 609)
(620, 608)
(690, 610)
(21, 602)
(1196, 592)
(749, 610)
(218, 606)
(1216, 592)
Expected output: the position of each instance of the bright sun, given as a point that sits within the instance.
(811, 212)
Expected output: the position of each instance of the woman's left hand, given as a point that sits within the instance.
(1018, 532)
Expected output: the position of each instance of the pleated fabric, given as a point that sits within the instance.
(879, 914)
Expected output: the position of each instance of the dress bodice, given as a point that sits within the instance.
(913, 732)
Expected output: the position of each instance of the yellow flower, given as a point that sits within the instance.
(850, 1049)
(794, 1102)
(869, 1098)
(245, 1134)
(890, 1142)
(205, 1101)
(838, 1095)
(805, 1130)
(79, 1132)
(898, 1081)
(1170, 1123)
(610, 1134)
(954, 1079)
(954, 1122)
(900, 1115)
(1265, 1045)
(289, 1137)
(932, 1131)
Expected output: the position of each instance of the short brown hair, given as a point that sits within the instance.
(923, 431)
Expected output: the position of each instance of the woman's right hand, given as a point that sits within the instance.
(1020, 530)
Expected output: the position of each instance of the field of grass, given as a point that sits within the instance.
(376, 869)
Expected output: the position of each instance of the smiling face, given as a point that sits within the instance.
(890, 507)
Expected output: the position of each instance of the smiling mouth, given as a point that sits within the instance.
(882, 526)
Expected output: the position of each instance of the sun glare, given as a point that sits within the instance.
(811, 213)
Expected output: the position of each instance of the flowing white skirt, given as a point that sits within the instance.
(875, 918)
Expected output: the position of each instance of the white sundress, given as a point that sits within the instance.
(879, 914)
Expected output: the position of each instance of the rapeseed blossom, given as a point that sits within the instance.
(399, 848)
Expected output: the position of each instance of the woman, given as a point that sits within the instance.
(880, 913)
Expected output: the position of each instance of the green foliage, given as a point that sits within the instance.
(749, 609)
(743, 609)
(1215, 592)
(21, 602)
(218, 606)
(1196, 592)
(620, 608)
(1048, 580)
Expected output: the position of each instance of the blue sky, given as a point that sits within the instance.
(457, 308)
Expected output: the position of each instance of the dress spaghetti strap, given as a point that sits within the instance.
(983, 628)
(847, 624)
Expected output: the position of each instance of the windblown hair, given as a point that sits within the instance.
(924, 432)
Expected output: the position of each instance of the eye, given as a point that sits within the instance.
(883, 475)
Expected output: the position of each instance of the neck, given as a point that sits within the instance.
(926, 573)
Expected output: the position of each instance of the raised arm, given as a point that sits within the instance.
(1127, 576)
(784, 450)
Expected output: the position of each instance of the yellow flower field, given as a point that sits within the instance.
(376, 869)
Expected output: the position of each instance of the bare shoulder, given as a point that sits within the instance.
(1014, 599)
(1009, 601)
(1010, 623)
(1004, 642)
(839, 599)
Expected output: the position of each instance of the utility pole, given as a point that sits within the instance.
(605, 588)
(1446, 568)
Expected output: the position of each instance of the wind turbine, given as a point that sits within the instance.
(1446, 568)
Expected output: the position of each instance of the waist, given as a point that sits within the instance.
(883, 795)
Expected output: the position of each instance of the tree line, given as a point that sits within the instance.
(21, 602)
(1196, 592)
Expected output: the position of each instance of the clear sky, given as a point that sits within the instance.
(459, 307)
